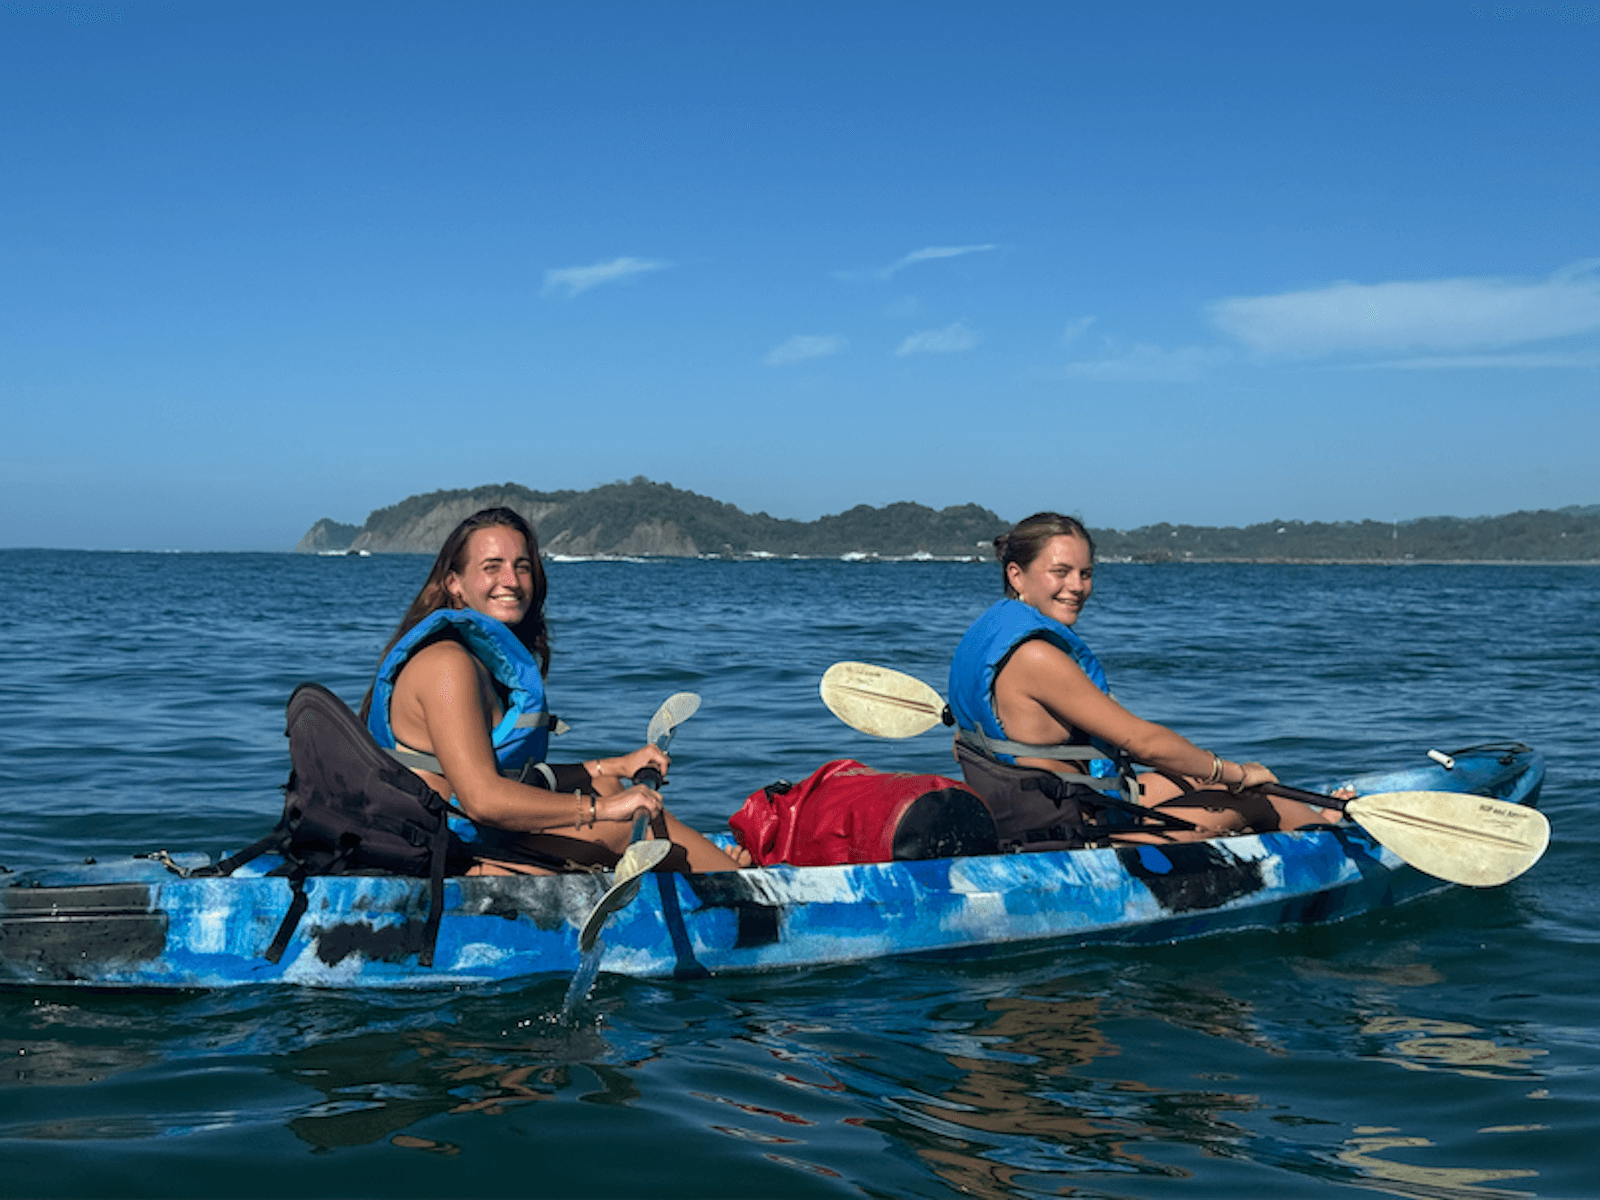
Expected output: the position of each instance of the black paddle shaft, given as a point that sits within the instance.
(1293, 793)
(651, 778)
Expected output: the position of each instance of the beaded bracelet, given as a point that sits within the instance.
(594, 814)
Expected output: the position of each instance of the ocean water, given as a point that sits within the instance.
(1450, 1048)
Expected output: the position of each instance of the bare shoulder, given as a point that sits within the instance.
(1037, 654)
(442, 654)
(445, 664)
(1044, 672)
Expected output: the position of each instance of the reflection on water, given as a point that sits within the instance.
(1030, 1108)
(995, 1086)
(50, 1044)
(1450, 1045)
(379, 1083)
(1393, 970)
(406, 1142)
(47, 1063)
(1403, 1179)
(1023, 1092)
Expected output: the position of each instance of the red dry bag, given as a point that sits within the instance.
(849, 813)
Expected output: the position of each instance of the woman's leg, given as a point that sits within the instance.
(489, 866)
(1181, 799)
(1219, 812)
(704, 854)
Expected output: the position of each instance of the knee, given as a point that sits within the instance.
(1220, 822)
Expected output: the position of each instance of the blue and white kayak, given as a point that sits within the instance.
(145, 922)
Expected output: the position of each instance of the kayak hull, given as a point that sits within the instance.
(140, 923)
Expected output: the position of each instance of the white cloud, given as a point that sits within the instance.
(804, 346)
(1576, 360)
(1076, 329)
(572, 280)
(929, 253)
(952, 339)
(1146, 363)
(1452, 317)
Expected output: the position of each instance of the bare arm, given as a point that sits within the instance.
(438, 707)
(607, 773)
(1041, 693)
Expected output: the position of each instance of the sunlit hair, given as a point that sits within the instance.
(452, 559)
(1026, 540)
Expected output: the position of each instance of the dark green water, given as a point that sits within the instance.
(1446, 1049)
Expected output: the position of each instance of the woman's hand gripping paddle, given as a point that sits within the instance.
(1472, 840)
(640, 856)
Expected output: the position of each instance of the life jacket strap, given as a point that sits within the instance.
(992, 748)
(418, 760)
(539, 720)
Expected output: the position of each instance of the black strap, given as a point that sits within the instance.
(1103, 804)
(430, 931)
(227, 866)
(552, 851)
(297, 882)
(687, 965)
(570, 777)
(291, 919)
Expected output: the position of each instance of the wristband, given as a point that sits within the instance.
(570, 777)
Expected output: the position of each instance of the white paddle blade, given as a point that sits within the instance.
(638, 858)
(674, 711)
(617, 897)
(1470, 840)
(879, 701)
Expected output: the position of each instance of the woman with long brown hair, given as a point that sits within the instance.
(459, 698)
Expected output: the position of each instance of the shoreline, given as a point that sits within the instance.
(1363, 562)
(864, 559)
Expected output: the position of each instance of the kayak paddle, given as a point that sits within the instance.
(1477, 841)
(1472, 840)
(881, 702)
(640, 856)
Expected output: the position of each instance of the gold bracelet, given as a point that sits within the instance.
(1216, 772)
(1239, 787)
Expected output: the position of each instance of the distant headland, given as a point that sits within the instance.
(641, 518)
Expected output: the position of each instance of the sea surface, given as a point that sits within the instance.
(1450, 1048)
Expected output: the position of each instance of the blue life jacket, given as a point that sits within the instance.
(990, 641)
(521, 736)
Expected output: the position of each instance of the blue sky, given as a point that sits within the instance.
(1211, 263)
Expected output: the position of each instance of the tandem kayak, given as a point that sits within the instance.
(147, 922)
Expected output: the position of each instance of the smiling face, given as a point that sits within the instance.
(497, 579)
(1058, 580)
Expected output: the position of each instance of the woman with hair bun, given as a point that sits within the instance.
(459, 699)
(1041, 738)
